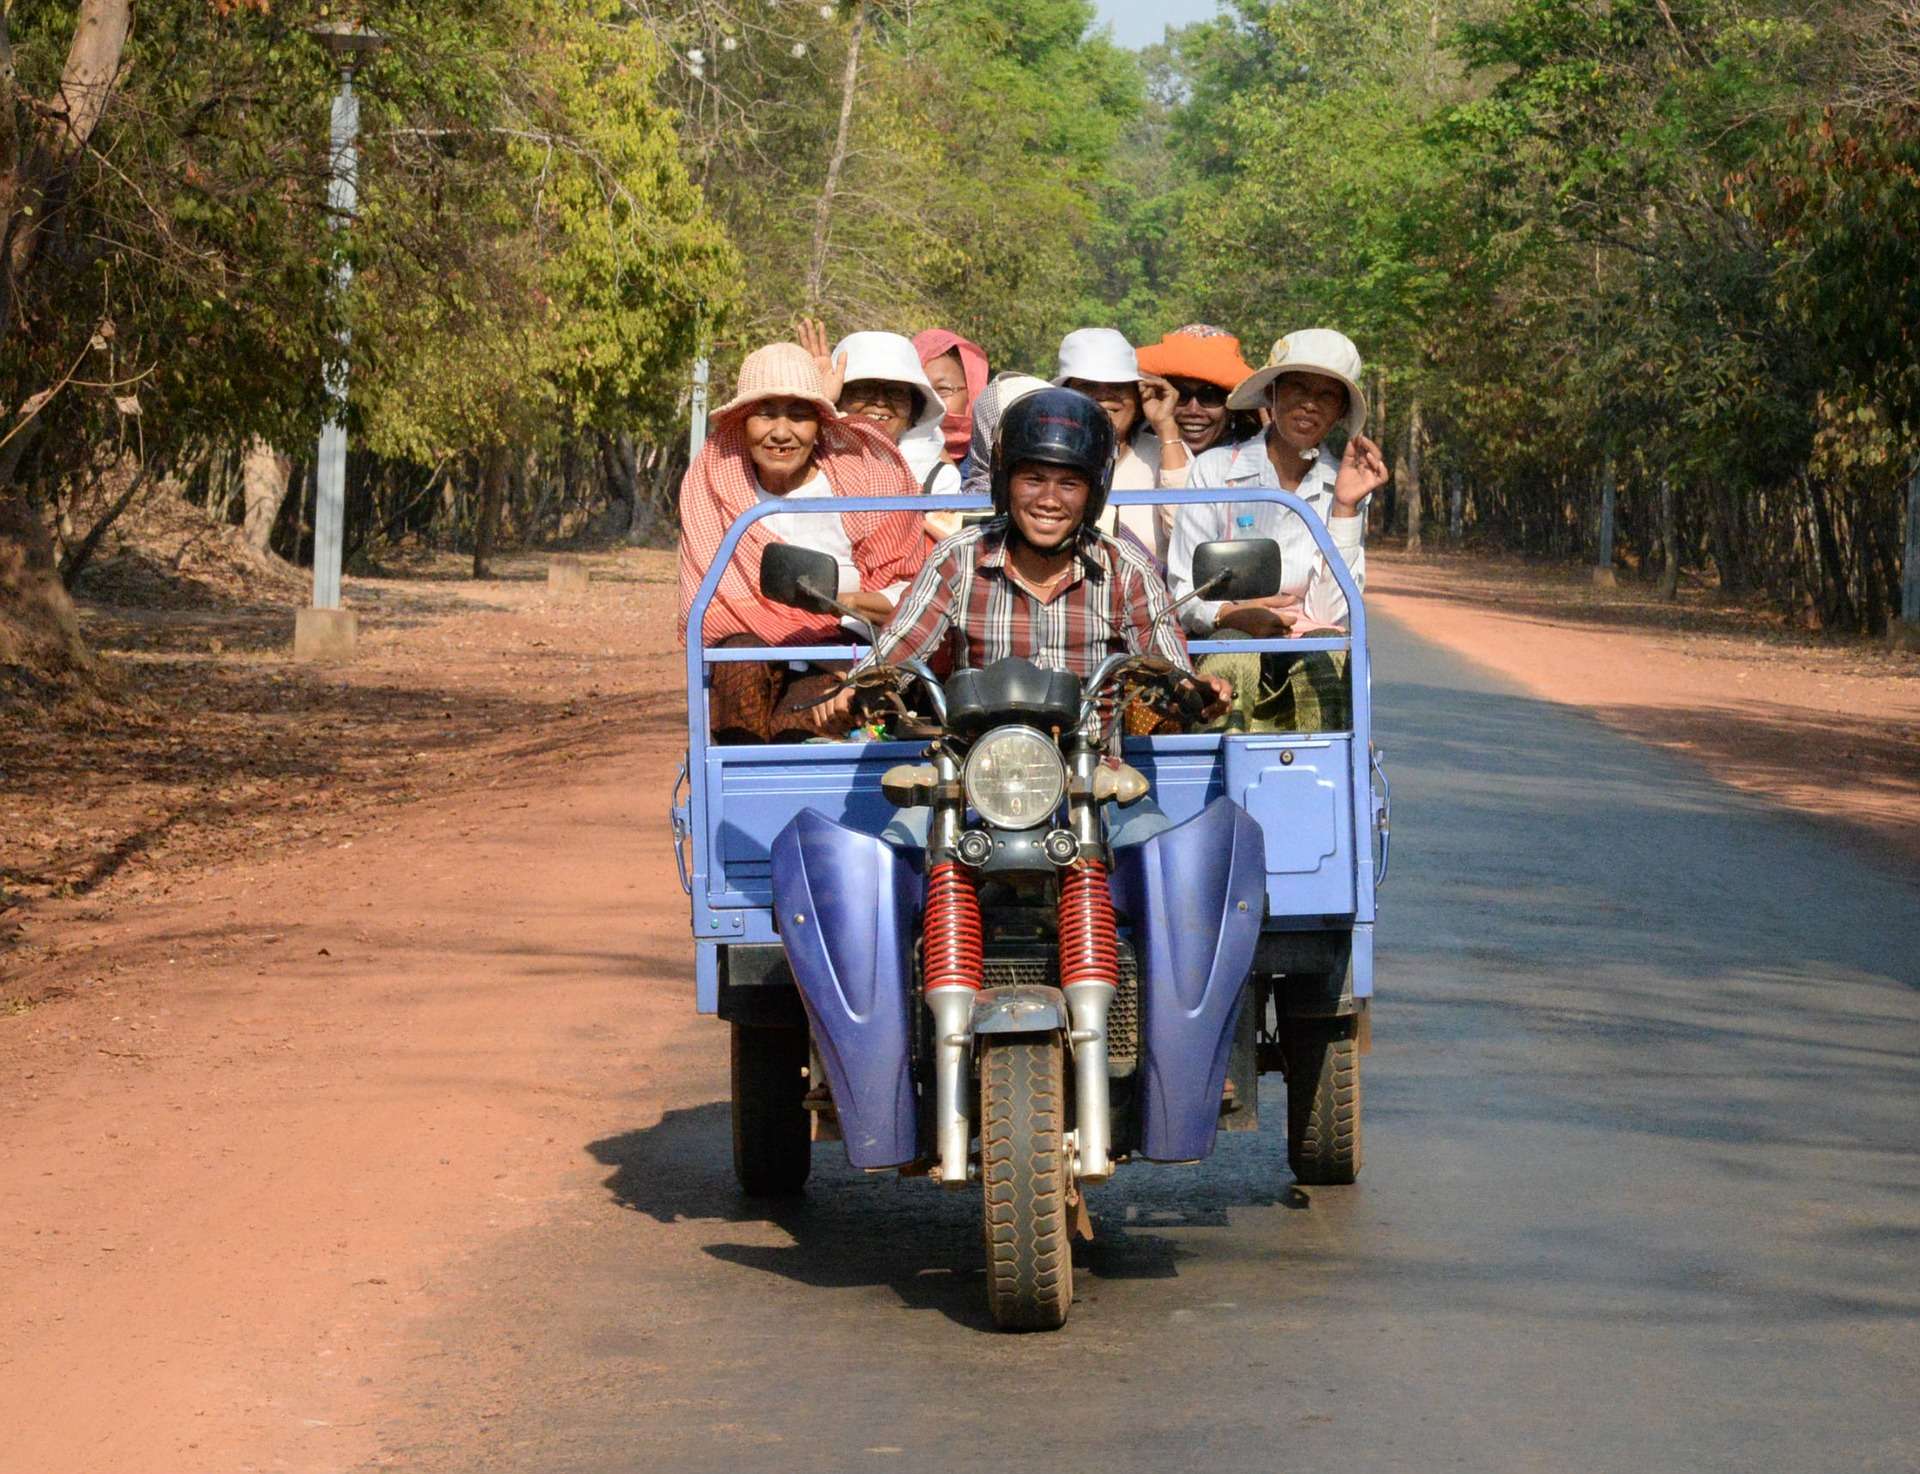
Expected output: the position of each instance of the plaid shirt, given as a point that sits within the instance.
(967, 602)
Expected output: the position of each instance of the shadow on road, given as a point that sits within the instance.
(850, 1229)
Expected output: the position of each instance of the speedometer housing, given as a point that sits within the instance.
(1014, 777)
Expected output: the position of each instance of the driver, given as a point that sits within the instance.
(1038, 579)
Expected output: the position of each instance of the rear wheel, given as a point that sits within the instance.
(1024, 1168)
(1323, 1101)
(772, 1137)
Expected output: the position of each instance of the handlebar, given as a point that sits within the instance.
(1182, 686)
(875, 673)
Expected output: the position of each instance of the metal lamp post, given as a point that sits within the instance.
(330, 630)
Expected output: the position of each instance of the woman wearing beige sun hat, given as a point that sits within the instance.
(782, 438)
(1310, 383)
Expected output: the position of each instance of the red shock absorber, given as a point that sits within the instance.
(951, 936)
(1089, 945)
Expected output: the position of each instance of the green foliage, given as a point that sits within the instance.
(980, 148)
(577, 265)
(1674, 236)
(532, 259)
(1671, 233)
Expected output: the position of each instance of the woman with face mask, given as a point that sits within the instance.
(958, 371)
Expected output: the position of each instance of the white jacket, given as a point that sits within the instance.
(1303, 568)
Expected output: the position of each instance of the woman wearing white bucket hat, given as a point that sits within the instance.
(887, 386)
(1149, 452)
(1310, 383)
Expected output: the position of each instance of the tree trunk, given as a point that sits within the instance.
(622, 471)
(1411, 481)
(75, 561)
(1910, 557)
(38, 626)
(1380, 506)
(33, 168)
(1669, 543)
(1836, 605)
(264, 477)
(486, 526)
(823, 212)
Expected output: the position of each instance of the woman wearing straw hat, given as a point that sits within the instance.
(1310, 384)
(781, 437)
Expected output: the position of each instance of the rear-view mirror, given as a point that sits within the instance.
(800, 578)
(1245, 568)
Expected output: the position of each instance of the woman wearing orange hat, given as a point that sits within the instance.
(1202, 365)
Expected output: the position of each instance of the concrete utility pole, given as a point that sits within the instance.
(1906, 629)
(326, 631)
(697, 429)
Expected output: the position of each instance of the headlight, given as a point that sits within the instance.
(1014, 778)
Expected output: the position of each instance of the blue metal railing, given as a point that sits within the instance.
(1355, 641)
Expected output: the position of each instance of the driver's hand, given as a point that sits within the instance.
(834, 715)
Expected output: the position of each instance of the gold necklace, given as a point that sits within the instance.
(1041, 590)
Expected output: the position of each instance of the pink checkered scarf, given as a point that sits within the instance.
(857, 460)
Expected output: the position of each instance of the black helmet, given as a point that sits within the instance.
(1060, 427)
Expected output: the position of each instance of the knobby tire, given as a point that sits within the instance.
(1024, 1172)
(1323, 1103)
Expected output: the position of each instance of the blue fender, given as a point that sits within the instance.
(1196, 894)
(846, 905)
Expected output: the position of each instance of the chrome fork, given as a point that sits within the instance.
(1088, 1004)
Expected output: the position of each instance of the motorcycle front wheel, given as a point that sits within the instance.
(1024, 1173)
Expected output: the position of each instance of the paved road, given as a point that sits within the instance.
(1642, 1192)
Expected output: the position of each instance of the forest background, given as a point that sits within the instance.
(1635, 279)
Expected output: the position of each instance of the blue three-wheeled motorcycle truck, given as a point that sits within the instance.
(993, 994)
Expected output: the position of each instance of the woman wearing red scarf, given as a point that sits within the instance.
(958, 370)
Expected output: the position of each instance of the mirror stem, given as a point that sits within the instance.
(1200, 592)
(846, 612)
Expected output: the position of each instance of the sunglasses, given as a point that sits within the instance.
(1207, 396)
(877, 393)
